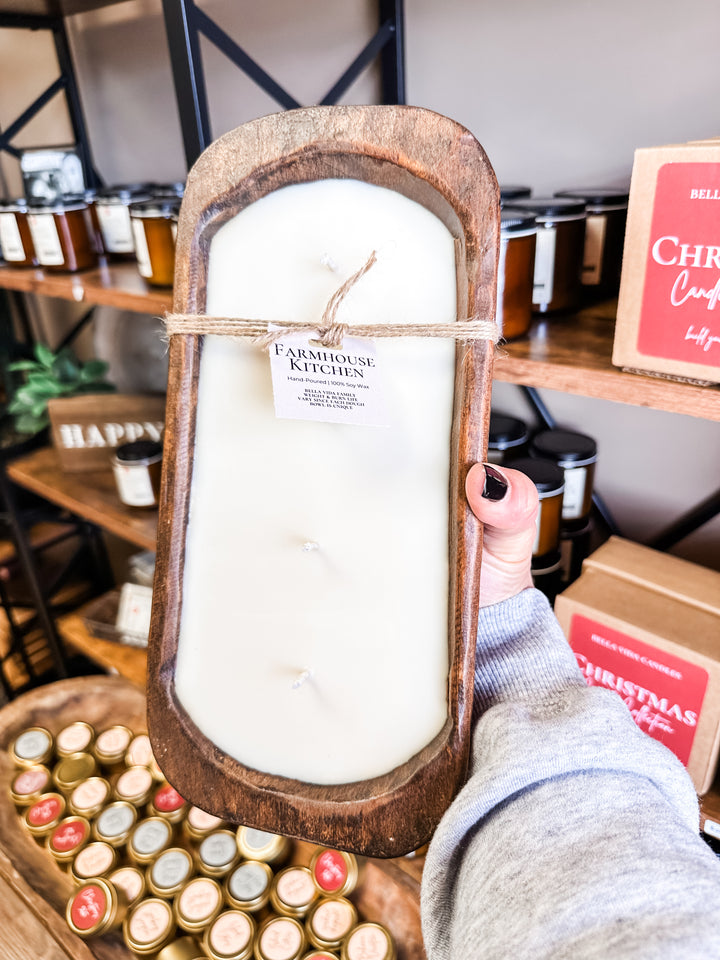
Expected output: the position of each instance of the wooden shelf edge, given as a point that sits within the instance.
(129, 662)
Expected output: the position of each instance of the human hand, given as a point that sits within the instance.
(506, 501)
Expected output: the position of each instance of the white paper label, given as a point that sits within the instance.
(114, 222)
(312, 382)
(10, 239)
(711, 828)
(141, 248)
(574, 495)
(134, 609)
(595, 227)
(544, 266)
(134, 485)
(45, 237)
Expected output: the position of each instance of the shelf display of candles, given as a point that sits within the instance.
(197, 887)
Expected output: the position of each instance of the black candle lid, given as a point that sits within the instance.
(155, 207)
(513, 192)
(548, 206)
(138, 450)
(506, 431)
(596, 196)
(512, 221)
(547, 476)
(564, 445)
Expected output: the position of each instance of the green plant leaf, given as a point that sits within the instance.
(27, 423)
(66, 368)
(45, 355)
(43, 383)
(24, 365)
(94, 370)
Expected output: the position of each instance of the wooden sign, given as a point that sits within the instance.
(86, 430)
(314, 614)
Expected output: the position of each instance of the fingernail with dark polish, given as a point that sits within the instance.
(495, 483)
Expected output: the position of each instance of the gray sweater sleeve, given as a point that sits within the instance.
(576, 835)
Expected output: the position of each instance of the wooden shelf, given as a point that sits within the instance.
(129, 662)
(113, 285)
(92, 496)
(573, 354)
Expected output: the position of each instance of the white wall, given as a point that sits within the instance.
(559, 93)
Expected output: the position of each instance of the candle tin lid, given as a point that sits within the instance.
(565, 447)
(184, 948)
(32, 747)
(66, 204)
(258, 845)
(198, 824)
(516, 222)
(319, 955)
(293, 891)
(547, 476)
(280, 938)
(170, 872)
(131, 881)
(506, 432)
(139, 452)
(248, 886)
(197, 904)
(134, 785)
(218, 853)
(111, 744)
(334, 872)
(123, 193)
(18, 205)
(175, 188)
(598, 199)
(115, 823)
(168, 804)
(94, 860)
(230, 936)
(45, 814)
(149, 926)
(549, 209)
(29, 785)
(513, 192)
(148, 839)
(72, 770)
(368, 941)
(68, 838)
(76, 737)
(95, 908)
(139, 754)
(89, 797)
(330, 920)
(157, 208)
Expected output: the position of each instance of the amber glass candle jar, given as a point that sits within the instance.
(606, 211)
(137, 467)
(154, 227)
(516, 270)
(550, 482)
(507, 438)
(558, 251)
(112, 208)
(61, 235)
(576, 455)
(16, 244)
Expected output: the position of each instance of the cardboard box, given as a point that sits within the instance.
(668, 318)
(647, 625)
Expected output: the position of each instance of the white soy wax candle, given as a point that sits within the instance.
(314, 630)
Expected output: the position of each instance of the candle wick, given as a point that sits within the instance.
(310, 545)
(302, 678)
(327, 261)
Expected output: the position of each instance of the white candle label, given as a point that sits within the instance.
(115, 226)
(10, 239)
(141, 248)
(134, 609)
(574, 495)
(595, 228)
(312, 382)
(543, 279)
(46, 239)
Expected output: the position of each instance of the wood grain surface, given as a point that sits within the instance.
(439, 164)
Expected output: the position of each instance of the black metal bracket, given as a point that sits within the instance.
(185, 22)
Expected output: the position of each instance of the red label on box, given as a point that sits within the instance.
(663, 692)
(680, 316)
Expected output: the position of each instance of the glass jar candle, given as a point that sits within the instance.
(95, 909)
(33, 746)
(154, 227)
(131, 881)
(280, 938)
(61, 235)
(550, 482)
(368, 941)
(516, 270)
(29, 785)
(334, 872)
(329, 922)
(293, 891)
(606, 210)
(576, 455)
(137, 467)
(248, 886)
(16, 244)
(89, 797)
(112, 207)
(76, 737)
(149, 926)
(230, 936)
(559, 250)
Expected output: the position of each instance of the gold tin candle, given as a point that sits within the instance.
(170, 872)
(154, 228)
(549, 480)
(330, 920)
(185, 948)
(199, 824)
(72, 770)
(16, 243)
(94, 860)
(576, 455)
(149, 926)
(334, 872)
(61, 235)
(230, 936)
(258, 845)
(197, 904)
(32, 747)
(247, 888)
(293, 891)
(134, 786)
(68, 838)
(280, 938)
(217, 853)
(89, 797)
(368, 941)
(115, 823)
(45, 814)
(111, 745)
(95, 909)
(168, 804)
(131, 881)
(319, 955)
(29, 785)
(76, 737)
(148, 840)
(139, 754)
